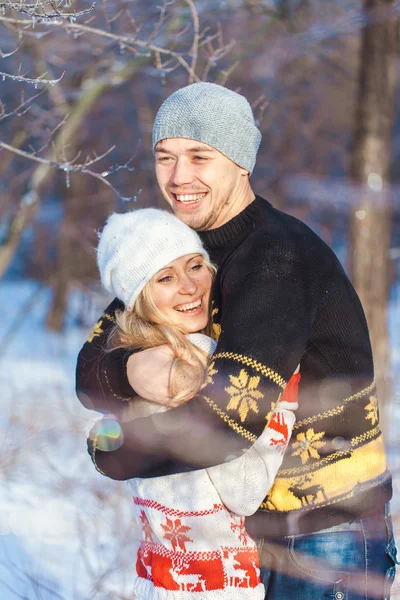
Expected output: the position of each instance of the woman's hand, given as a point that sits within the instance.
(148, 373)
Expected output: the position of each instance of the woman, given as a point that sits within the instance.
(194, 543)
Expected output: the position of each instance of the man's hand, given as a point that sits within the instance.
(148, 373)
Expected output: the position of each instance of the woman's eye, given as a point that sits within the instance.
(165, 279)
(196, 267)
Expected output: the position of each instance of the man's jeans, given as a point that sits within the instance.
(352, 561)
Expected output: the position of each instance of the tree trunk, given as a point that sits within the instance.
(71, 260)
(370, 223)
(55, 317)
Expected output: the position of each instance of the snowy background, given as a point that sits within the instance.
(65, 530)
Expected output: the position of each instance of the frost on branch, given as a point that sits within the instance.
(36, 81)
(45, 10)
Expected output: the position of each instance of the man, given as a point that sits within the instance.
(280, 299)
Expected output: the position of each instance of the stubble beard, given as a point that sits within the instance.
(206, 221)
(202, 222)
(199, 222)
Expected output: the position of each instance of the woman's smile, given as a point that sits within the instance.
(190, 308)
(181, 292)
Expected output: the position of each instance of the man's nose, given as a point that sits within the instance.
(182, 173)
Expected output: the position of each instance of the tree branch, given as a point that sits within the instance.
(121, 39)
(196, 37)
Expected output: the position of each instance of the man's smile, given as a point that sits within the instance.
(188, 200)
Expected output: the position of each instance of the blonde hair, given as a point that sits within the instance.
(145, 327)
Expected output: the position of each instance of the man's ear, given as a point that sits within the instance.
(244, 172)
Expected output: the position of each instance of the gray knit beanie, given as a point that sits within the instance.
(214, 115)
(134, 246)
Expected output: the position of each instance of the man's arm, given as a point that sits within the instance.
(101, 380)
(152, 446)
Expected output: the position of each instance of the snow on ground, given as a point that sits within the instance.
(66, 531)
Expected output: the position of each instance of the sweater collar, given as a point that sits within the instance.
(242, 223)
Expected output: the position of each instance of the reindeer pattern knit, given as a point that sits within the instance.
(198, 549)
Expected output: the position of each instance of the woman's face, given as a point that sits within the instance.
(181, 292)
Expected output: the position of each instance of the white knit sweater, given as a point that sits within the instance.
(194, 544)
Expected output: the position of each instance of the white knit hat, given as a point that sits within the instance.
(134, 246)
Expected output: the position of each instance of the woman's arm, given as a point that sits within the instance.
(244, 482)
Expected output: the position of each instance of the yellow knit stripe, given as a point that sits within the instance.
(366, 436)
(109, 317)
(97, 330)
(231, 422)
(333, 457)
(112, 391)
(331, 484)
(335, 411)
(93, 453)
(361, 393)
(254, 364)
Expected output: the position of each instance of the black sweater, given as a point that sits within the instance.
(280, 298)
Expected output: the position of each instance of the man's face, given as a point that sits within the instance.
(204, 188)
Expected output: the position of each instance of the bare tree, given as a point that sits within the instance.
(79, 62)
(111, 45)
(116, 62)
(370, 169)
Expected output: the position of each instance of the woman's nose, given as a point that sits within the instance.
(187, 285)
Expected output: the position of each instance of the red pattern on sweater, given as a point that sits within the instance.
(178, 513)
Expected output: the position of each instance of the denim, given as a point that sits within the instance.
(352, 561)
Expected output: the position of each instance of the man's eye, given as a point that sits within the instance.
(163, 158)
(201, 158)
